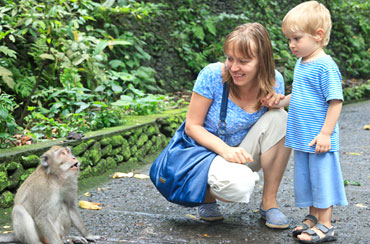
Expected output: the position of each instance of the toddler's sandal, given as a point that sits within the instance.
(329, 234)
(304, 226)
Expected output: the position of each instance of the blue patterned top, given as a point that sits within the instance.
(315, 83)
(238, 121)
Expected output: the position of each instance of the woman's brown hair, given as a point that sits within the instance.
(252, 40)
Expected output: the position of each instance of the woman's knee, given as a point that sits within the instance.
(236, 187)
(276, 116)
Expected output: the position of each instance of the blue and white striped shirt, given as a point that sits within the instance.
(315, 83)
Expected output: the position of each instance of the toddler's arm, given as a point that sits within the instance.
(322, 140)
(276, 100)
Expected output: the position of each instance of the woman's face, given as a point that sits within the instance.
(243, 70)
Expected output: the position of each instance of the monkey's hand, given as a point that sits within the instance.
(75, 239)
(82, 240)
(93, 238)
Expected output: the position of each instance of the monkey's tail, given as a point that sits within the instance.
(8, 238)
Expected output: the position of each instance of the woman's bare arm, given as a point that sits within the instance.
(194, 128)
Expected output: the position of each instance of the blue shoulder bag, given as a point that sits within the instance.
(180, 172)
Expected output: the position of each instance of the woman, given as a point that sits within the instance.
(254, 135)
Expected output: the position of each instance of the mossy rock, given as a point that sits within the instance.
(156, 144)
(140, 153)
(105, 141)
(11, 167)
(133, 160)
(142, 140)
(15, 178)
(162, 121)
(119, 158)
(87, 154)
(25, 174)
(90, 142)
(126, 133)
(86, 173)
(107, 150)
(6, 199)
(3, 180)
(133, 150)
(30, 161)
(138, 132)
(84, 162)
(126, 152)
(117, 140)
(125, 143)
(111, 163)
(152, 130)
(147, 147)
(2, 167)
(116, 151)
(100, 168)
(79, 149)
(132, 140)
(95, 153)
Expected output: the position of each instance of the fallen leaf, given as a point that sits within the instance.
(7, 232)
(351, 183)
(354, 154)
(122, 175)
(205, 235)
(87, 194)
(89, 205)
(367, 127)
(141, 176)
(6, 226)
(102, 189)
(360, 205)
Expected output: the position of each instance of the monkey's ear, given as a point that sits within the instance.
(44, 161)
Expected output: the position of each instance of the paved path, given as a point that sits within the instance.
(134, 212)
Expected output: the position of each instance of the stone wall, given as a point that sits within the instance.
(97, 151)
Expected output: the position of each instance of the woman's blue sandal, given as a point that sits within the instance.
(275, 219)
(329, 234)
(303, 226)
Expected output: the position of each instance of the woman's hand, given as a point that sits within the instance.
(237, 155)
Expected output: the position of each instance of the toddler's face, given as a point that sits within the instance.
(302, 44)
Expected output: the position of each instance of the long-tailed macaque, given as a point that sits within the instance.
(46, 203)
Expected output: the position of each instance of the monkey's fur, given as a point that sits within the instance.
(45, 205)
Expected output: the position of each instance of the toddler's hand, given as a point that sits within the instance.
(237, 155)
(322, 142)
(272, 99)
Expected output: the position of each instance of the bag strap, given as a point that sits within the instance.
(222, 123)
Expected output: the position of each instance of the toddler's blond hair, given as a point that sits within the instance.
(308, 17)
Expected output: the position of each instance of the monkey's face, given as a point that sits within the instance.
(60, 161)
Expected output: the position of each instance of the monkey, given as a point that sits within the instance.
(45, 205)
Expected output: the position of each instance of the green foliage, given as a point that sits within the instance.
(357, 93)
(86, 64)
(139, 103)
(8, 125)
(349, 42)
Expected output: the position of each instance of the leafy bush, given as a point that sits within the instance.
(84, 65)
(357, 93)
(139, 103)
(8, 125)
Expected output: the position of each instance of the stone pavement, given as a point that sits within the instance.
(134, 212)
